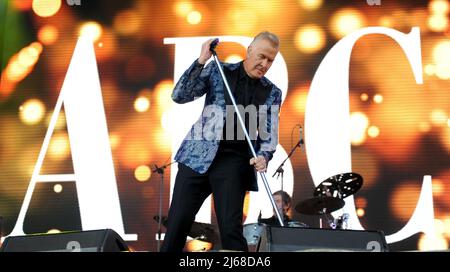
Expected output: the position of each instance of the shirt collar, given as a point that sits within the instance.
(243, 74)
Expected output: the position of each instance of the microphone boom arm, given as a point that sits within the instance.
(280, 168)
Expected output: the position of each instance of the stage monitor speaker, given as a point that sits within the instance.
(106, 240)
(285, 239)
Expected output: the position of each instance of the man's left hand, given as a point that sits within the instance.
(259, 163)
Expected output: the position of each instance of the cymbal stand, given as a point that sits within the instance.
(330, 222)
(280, 171)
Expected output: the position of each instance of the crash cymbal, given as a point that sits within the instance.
(340, 186)
(319, 205)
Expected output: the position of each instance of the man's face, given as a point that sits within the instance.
(260, 56)
(278, 201)
(280, 205)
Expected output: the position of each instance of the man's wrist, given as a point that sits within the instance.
(200, 62)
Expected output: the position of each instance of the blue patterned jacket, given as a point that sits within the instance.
(200, 145)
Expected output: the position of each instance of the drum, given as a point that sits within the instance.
(253, 232)
(296, 224)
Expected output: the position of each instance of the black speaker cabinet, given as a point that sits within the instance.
(311, 239)
(105, 240)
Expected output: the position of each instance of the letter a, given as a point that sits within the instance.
(89, 142)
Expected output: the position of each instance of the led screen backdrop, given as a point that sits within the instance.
(79, 145)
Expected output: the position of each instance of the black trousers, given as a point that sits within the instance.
(227, 180)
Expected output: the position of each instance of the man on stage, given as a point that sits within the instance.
(223, 164)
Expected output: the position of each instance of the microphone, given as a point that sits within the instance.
(301, 142)
(213, 45)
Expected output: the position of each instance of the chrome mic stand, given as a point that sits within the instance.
(160, 170)
(263, 176)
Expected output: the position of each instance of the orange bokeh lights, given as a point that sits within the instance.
(46, 8)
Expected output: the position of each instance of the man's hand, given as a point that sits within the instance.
(205, 54)
(259, 163)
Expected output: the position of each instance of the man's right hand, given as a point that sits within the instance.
(205, 54)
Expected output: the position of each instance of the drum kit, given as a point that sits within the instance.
(328, 197)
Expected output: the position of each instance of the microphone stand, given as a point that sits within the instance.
(280, 171)
(160, 170)
(263, 176)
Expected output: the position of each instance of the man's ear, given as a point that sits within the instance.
(249, 49)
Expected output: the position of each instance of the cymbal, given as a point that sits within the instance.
(319, 205)
(340, 186)
(200, 231)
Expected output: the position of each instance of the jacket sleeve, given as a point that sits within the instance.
(193, 84)
(268, 141)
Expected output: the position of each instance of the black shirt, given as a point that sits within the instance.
(243, 93)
